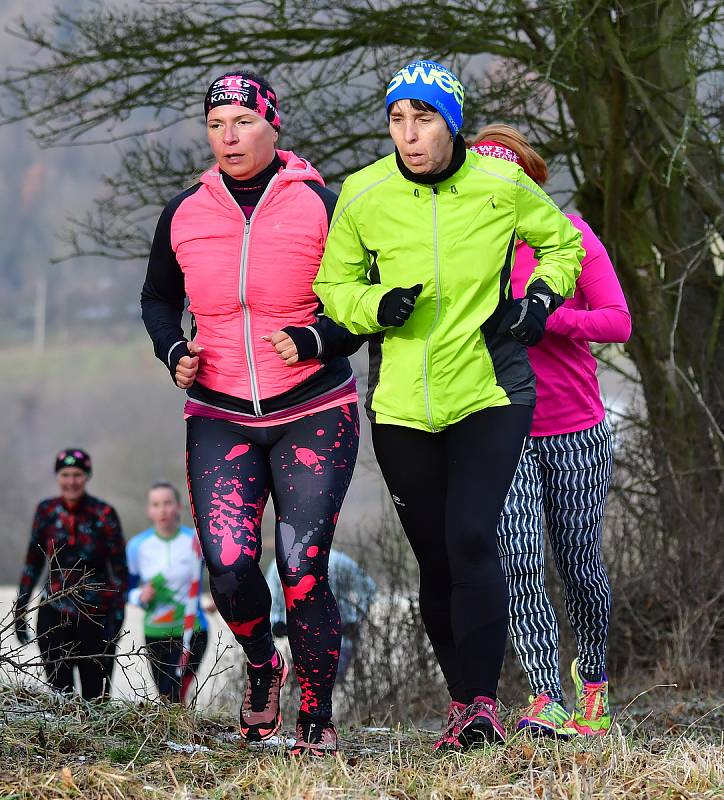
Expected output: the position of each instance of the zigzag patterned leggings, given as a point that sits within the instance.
(563, 479)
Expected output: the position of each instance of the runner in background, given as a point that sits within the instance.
(164, 565)
(354, 589)
(78, 539)
(562, 479)
(419, 257)
(272, 401)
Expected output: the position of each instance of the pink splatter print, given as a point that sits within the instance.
(234, 497)
(320, 432)
(223, 522)
(244, 628)
(312, 551)
(310, 459)
(308, 701)
(292, 594)
(238, 450)
(230, 550)
(346, 413)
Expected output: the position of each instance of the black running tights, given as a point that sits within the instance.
(68, 641)
(448, 489)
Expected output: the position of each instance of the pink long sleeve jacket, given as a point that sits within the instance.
(567, 390)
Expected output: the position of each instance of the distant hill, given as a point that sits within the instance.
(115, 399)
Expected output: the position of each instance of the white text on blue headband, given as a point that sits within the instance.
(429, 75)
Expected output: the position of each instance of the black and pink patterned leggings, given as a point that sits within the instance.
(306, 465)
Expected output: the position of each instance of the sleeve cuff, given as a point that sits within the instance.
(320, 347)
(175, 354)
(307, 341)
(541, 288)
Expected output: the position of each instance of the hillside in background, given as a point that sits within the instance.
(115, 399)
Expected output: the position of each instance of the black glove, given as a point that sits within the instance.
(397, 305)
(305, 341)
(525, 320)
(279, 630)
(21, 629)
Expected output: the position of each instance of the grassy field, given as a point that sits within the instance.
(52, 750)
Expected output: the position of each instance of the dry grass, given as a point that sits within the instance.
(52, 750)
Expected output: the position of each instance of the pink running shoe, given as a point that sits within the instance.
(448, 738)
(317, 739)
(479, 723)
(260, 715)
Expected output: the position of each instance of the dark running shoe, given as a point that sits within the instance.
(260, 715)
(479, 724)
(316, 739)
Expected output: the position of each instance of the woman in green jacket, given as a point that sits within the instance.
(419, 254)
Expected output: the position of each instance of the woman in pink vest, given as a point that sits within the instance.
(562, 478)
(271, 399)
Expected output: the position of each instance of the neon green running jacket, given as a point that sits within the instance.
(457, 239)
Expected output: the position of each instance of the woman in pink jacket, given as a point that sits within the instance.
(271, 399)
(563, 477)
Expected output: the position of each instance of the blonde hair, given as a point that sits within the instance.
(533, 164)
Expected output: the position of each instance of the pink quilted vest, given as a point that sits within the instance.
(246, 279)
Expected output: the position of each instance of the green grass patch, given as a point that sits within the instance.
(52, 749)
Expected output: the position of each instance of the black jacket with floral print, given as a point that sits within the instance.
(85, 555)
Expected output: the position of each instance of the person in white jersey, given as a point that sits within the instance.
(164, 564)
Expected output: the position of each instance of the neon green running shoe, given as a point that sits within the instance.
(545, 716)
(591, 716)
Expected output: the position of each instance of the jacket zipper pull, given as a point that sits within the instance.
(434, 189)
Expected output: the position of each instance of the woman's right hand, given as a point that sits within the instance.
(148, 592)
(188, 366)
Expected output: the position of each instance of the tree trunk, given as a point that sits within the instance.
(659, 238)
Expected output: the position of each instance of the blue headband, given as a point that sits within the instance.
(433, 83)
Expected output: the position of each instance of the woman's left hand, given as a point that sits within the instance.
(284, 345)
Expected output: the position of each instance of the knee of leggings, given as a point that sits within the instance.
(588, 574)
(473, 545)
(240, 568)
(309, 561)
(298, 583)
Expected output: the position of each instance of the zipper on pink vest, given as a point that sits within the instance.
(243, 268)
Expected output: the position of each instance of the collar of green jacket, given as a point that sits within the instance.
(435, 178)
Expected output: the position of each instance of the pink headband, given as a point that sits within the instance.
(495, 150)
(241, 90)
